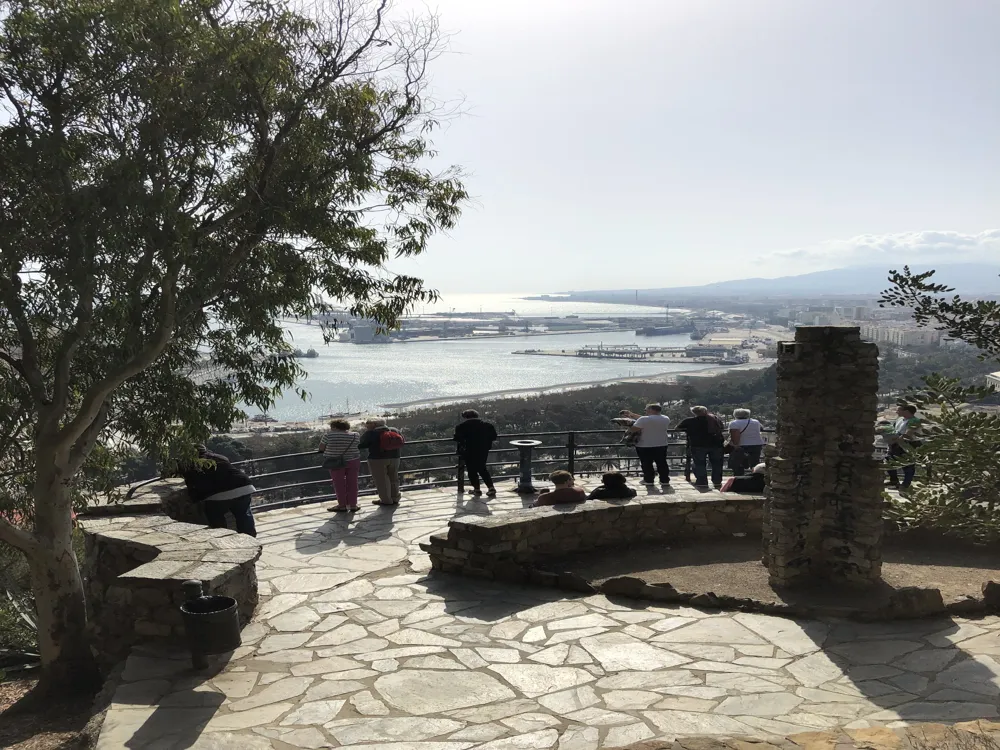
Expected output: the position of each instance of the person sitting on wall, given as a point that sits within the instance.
(752, 485)
(612, 487)
(220, 487)
(564, 492)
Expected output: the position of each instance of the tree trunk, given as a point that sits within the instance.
(68, 664)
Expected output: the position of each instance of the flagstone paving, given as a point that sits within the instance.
(355, 645)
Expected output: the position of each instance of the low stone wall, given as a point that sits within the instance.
(177, 504)
(504, 546)
(135, 565)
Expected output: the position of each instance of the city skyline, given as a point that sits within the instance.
(769, 138)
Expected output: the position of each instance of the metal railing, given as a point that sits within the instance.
(581, 452)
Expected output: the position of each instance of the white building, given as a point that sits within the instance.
(900, 336)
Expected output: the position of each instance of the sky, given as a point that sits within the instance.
(652, 143)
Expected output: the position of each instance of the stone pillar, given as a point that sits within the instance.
(824, 497)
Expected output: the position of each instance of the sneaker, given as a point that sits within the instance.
(477, 493)
(491, 492)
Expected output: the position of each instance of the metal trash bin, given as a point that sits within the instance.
(212, 624)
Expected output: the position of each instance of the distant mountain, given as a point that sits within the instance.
(968, 279)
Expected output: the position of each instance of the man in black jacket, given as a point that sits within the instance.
(220, 487)
(475, 438)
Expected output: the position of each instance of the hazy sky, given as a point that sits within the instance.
(646, 143)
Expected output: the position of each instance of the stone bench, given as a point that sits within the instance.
(504, 546)
(134, 568)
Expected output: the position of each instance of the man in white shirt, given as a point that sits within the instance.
(654, 435)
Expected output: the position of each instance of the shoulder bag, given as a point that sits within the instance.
(737, 456)
(338, 462)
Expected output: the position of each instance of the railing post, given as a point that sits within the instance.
(687, 460)
(461, 475)
(524, 486)
(571, 452)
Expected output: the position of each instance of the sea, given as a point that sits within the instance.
(349, 378)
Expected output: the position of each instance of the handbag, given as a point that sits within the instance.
(631, 438)
(338, 462)
(730, 448)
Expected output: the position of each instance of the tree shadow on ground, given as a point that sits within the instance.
(171, 707)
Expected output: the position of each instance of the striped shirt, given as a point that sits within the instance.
(336, 443)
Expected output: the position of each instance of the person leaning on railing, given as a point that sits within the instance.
(220, 488)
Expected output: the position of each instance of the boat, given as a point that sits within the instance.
(697, 335)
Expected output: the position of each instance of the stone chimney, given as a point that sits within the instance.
(823, 518)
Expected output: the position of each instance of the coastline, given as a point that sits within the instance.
(665, 377)
(405, 407)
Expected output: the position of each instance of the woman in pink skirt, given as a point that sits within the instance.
(341, 456)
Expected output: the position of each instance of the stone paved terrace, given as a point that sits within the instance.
(355, 645)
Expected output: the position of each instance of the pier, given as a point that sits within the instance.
(635, 353)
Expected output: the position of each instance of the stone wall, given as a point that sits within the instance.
(502, 546)
(135, 565)
(824, 506)
(177, 504)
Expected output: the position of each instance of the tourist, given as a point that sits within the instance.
(902, 437)
(343, 460)
(383, 444)
(613, 487)
(564, 491)
(704, 434)
(745, 442)
(220, 488)
(474, 438)
(753, 484)
(654, 435)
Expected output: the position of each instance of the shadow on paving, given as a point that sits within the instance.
(370, 524)
(170, 707)
(732, 568)
(488, 602)
(180, 727)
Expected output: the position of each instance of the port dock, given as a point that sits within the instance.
(633, 353)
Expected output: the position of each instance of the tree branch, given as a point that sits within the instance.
(29, 369)
(17, 538)
(82, 448)
(93, 401)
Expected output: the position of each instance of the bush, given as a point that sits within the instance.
(961, 448)
(15, 586)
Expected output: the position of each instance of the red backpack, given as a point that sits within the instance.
(390, 440)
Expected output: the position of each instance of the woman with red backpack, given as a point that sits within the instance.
(383, 444)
